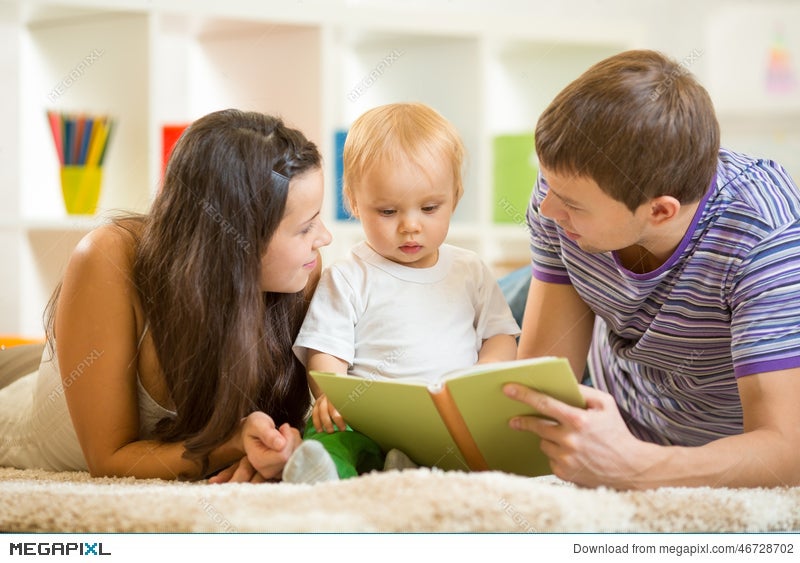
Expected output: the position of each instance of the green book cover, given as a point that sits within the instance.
(486, 410)
(409, 416)
(515, 169)
(395, 414)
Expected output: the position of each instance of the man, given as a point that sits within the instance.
(671, 269)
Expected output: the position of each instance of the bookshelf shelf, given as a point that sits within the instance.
(77, 224)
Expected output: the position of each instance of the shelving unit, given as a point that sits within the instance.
(318, 64)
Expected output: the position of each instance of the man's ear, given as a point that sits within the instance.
(663, 209)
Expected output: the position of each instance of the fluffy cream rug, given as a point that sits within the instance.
(419, 500)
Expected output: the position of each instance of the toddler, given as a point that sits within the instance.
(403, 305)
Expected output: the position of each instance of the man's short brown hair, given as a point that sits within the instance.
(638, 124)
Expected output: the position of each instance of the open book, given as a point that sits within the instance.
(461, 422)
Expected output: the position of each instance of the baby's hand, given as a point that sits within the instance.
(326, 417)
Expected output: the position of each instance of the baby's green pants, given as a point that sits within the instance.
(352, 452)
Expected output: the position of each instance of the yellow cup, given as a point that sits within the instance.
(80, 186)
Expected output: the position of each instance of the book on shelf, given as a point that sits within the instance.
(339, 138)
(461, 422)
(514, 174)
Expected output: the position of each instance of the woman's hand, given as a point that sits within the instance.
(326, 417)
(240, 472)
(266, 450)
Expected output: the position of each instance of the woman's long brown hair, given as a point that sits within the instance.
(225, 347)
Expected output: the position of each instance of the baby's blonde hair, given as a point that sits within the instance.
(392, 132)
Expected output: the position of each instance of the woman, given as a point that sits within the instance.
(175, 329)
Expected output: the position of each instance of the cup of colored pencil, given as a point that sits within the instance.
(81, 142)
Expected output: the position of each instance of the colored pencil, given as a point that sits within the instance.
(80, 139)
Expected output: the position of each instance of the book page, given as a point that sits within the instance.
(486, 410)
(395, 414)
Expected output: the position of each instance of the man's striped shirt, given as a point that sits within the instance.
(670, 344)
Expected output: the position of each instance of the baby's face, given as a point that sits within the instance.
(405, 210)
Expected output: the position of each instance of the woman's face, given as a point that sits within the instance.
(292, 254)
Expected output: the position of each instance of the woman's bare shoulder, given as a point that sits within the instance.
(102, 261)
(113, 244)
